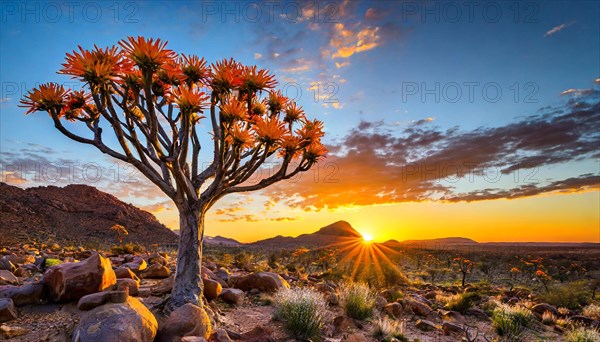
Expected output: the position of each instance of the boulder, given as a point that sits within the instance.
(6, 265)
(130, 321)
(453, 316)
(137, 265)
(543, 307)
(7, 310)
(187, 320)
(355, 337)
(452, 328)
(394, 309)
(25, 294)
(223, 274)
(71, 281)
(132, 286)
(426, 325)
(156, 271)
(163, 287)
(262, 281)
(93, 300)
(212, 288)
(418, 308)
(8, 278)
(20, 259)
(157, 259)
(234, 296)
(125, 273)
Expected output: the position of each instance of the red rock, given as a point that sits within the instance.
(234, 296)
(93, 300)
(25, 294)
(263, 281)
(7, 278)
(187, 320)
(7, 310)
(125, 273)
(212, 289)
(124, 322)
(132, 286)
(71, 281)
(156, 271)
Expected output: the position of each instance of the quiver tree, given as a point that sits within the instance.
(153, 101)
(120, 231)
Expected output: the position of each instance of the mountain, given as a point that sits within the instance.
(77, 214)
(339, 232)
(432, 243)
(221, 241)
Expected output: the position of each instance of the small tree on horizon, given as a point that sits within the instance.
(151, 100)
(120, 231)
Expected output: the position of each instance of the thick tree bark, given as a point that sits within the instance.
(188, 285)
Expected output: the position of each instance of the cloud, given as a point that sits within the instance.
(556, 29)
(157, 207)
(377, 164)
(257, 55)
(346, 42)
(584, 182)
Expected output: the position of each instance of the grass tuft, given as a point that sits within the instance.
(301, 311)
(357, 300)
(386, 329)
(510, 322)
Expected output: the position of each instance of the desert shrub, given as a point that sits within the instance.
(357, 300)
(511, 321)
(244, 260)
(583, 335)
(387, 329)
(52, 262)
(462, 302)
(592, 311)
(489, 307)
(128, 248)
(569, 295)
(548, 318)
(301, 311)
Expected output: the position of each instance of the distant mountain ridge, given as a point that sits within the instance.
(74, 213)
(335, 233)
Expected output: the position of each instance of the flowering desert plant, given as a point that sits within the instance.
(152, 101)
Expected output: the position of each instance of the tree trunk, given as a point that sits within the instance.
(464, 276)
(188, 285)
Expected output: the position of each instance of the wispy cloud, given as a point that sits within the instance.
(557, 29)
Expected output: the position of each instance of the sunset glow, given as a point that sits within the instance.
(416, 144)
(367, 237)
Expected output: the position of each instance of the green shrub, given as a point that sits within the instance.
(52, 262)
(387, 329)
(357, 300)
(572, 295)
(128, 248)
(301, 311)
(511, 321)
(462, 302)
(583, 335)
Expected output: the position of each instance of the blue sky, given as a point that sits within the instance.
(377, 58)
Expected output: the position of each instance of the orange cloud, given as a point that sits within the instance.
(346, 42)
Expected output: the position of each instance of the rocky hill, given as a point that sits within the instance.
(74, 214)
(333, 234)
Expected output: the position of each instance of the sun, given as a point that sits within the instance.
(367, 237)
